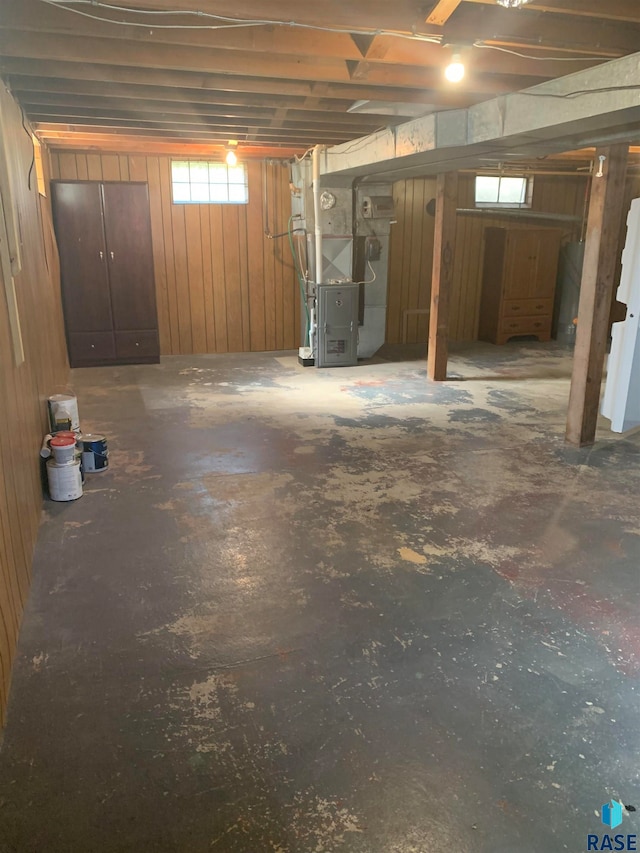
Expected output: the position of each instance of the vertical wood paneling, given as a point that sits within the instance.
(207, 277)
(181, 265)
(256, 261)
(110, 167)
(411, 251)
(195, 280)
(94, 167)
(218, 269)
(24, 389)
(82, 167)
(221, 284)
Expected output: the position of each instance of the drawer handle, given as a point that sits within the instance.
(137, 344)
(93, 346)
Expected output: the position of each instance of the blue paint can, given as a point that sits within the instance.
(95, 453)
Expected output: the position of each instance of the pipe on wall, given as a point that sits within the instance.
(317, 213)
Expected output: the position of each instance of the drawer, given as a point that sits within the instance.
(132, 345)
(527, 307)
(525, 326)
(91, 347)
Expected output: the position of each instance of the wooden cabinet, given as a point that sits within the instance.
(104, 239)
(518, 283)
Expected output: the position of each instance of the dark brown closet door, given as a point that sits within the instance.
(77, 212)
(129, 256)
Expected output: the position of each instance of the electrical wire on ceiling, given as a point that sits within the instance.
(227, 22)
(580, 93)
(540, 58)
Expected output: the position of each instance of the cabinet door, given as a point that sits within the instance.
(129, 256)
(77, 211)
(531, 263)
(547, 253)
(521, 264)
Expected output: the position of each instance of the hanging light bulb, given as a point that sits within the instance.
(231, 158)
(454, 72)
(512, 4)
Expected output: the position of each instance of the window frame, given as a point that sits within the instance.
(213, 167)
(504, 205)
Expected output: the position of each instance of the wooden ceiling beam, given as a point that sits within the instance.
(33, 16)
(611, 10)
(156, 129)
(611, 38)
(89, 143)
(442, 11)
(40, 112)
(104, 104)
(215, 83)
(171, 49)
(536, 30)
(401, 15)
(121, 52)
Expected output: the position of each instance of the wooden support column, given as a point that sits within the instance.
(442, 278)
(596, 291)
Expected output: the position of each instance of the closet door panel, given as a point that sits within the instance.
(131, 345)
(129, 256)
(77, 211)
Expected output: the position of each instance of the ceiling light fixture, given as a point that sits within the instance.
(454, 72)
(512, 4)
(231, 158)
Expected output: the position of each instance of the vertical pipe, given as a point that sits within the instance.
(316, 214)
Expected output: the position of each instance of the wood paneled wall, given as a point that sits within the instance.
(411, 251)
(222, 285)
(24, 389)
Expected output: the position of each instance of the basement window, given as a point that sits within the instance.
(499, 191)
(202, 182)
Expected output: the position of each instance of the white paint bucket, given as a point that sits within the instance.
(63, 448)
(63, 412)
(65, 481)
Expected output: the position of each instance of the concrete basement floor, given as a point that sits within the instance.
(342, 610)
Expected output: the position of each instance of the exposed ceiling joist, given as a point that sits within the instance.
(442, 11)
(66, 146)
(612, 10)
(361, 65)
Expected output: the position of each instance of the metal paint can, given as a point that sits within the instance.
(95, 453)
(63, 412)
(65, 481)
(64, 449)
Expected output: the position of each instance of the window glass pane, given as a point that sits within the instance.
(218, 192)
(200, 192)
(202, 182)
(238, 193)
(217, 173)
(199, 172)
(181, 192)
(487, 189)
(236, 175)
(512, 190)
(180, 171)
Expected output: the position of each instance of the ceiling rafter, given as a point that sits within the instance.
(372, 64)
(442, 11)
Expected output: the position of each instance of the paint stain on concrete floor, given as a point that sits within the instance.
(320, 610)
